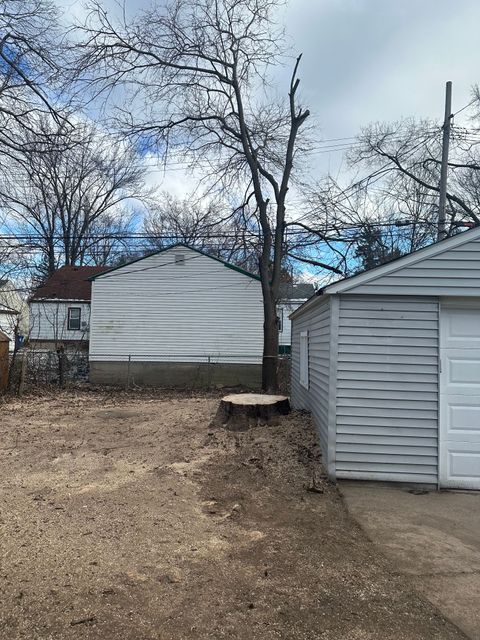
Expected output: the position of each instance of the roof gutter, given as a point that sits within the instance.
(56, 300)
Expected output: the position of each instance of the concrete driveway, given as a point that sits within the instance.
(434, 538)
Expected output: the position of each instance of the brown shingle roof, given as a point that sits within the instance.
(68, 283)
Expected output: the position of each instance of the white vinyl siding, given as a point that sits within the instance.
(158, 309)
(384, 374)
(316, 398)
(387, 389)
(49, 320)
(13, 313)
(8, 326)
(285, 309)
(455, 272)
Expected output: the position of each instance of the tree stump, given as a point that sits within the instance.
(240, 411)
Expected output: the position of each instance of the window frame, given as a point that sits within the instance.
(69, 318)
(304, 359)
(280, 319)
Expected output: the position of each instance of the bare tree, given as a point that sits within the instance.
(68, 199)
(109, 237)
(390, 206)
(198, 72)
(411, 150)
(208, 226)
(362, 224)
(31, 54)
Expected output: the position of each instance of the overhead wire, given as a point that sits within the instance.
(465, 107)
(344, 144)
(33, 239)
(314, 150)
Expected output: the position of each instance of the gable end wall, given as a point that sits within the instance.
(156, 310)
(455, 272)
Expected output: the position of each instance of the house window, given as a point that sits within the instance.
(280, 320)
(304, 359)
(179, 258)
(74, 317)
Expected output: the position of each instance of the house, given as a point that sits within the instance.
(291, 297)
(176, 317)
(13, 314)
(60, 309)
(388, 363)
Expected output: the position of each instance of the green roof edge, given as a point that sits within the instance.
(229, 265)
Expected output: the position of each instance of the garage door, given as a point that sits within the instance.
(459, 445)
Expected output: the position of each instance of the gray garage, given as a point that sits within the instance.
(388, 362)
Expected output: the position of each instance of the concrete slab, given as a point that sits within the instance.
(433, 537)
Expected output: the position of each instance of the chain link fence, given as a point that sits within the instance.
(63, 367)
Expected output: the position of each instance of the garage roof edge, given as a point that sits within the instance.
(434, 249)
(347, 284)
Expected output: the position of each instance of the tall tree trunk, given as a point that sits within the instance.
(51, 257)
(270, 345)
(270, 327)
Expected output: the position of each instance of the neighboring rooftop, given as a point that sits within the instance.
(229, 265)
(300, 291)
(68, 283)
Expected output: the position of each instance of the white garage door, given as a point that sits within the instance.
(459, 446)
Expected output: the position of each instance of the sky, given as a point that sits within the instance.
(366, 61)
(381, 60)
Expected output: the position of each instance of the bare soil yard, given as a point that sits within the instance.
(129, 517)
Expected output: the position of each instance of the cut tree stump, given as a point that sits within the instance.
(240, 411)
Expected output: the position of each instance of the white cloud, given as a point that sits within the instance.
(363, 61)
(371, 60)
(180, 182)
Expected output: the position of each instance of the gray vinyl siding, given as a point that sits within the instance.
(316, 398)
(387, 388)
(455, 272)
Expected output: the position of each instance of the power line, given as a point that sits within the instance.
(155, 266)
(248, 235)
(110, 275)
(465, 107)
(314, 150)
(173, 292)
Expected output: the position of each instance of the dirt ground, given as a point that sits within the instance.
(129, 517)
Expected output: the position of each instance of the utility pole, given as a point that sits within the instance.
(441, 231)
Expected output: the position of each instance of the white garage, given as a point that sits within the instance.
(388, 362)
